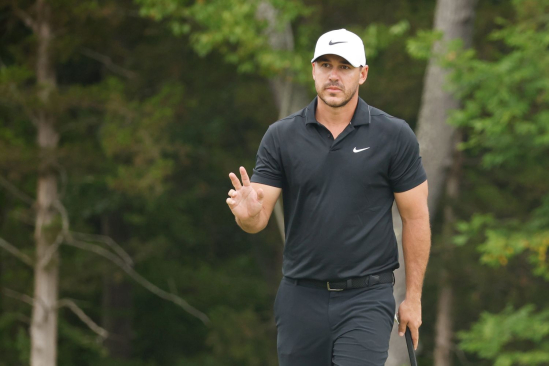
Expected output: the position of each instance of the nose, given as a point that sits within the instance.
(333, 76)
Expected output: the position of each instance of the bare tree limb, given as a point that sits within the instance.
(54, 247)
(18, 296)
(120, 259)
(83, 317)
(105, 240)
(64, 179)
(16, 252)
(16, 191)
(109, 64)
(60, 304)
(140, 279)
(24, 16)
(25, 298)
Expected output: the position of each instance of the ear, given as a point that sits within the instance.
(313, 65)
(363, 75)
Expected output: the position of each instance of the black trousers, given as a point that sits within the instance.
(317, 327)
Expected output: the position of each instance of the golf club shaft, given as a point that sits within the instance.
(410, 345)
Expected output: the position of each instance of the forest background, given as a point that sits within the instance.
(119, 124)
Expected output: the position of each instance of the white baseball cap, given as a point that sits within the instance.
(343, 43)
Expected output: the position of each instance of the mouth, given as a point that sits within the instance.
(333, 89)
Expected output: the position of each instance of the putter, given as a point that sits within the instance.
(410, 344)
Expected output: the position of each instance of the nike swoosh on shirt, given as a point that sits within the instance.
(355, 150)
(332, 43)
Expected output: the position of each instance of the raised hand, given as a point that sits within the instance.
(244, 201)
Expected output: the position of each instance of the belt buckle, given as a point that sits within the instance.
(332, 289)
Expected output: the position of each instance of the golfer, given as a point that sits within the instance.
(340, 164)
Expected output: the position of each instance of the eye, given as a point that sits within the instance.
(325, 64)
(345, 67)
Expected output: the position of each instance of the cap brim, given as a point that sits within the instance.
(356, 64)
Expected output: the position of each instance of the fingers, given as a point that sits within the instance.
(260, 195)
(235, 181)
(415, 336)
(230, 201)
(244, 175)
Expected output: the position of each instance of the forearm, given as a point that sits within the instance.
(254, 224)
(416, 245)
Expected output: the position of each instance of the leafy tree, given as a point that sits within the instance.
(506, 123)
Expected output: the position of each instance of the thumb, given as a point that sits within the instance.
(260, 195)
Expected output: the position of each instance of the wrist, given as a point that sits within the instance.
(413, 297)
(251, 224)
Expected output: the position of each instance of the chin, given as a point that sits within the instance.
(334, 102)
(333, 97)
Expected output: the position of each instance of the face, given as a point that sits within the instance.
(336, 80)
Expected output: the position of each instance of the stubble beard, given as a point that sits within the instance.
(340, 104)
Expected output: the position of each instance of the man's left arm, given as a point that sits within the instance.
(416, 244)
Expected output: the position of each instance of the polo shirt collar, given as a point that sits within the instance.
(360, 117)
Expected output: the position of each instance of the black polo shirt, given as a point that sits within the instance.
(338, 193)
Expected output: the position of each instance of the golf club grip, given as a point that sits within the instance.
(410, 345)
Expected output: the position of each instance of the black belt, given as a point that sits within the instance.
(357, 282)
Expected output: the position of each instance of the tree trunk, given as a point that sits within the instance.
(289, 96)
(44, 313)
(455, 18)
(444, 327)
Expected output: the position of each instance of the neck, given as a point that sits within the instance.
(336, 117)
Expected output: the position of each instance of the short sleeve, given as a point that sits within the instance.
(406, 170)
(268, 167)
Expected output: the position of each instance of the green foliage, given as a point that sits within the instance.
(506, 100)
(506, 119)
(150, 126)
(420, 46)
(506, 124)
(233, 29)
(504, 239)
(378, 37)
(512, 337)
(14, 337)
(134, 136)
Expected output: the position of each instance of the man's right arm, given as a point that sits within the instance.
(257, 223)
(251, 203)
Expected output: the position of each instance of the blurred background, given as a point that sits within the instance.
(121, 120)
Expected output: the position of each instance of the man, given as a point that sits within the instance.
(339, 164)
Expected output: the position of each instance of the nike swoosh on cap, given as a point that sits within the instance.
(355, 150)
(332, 43)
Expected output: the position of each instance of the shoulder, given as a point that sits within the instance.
(383, 120)
(288, 124)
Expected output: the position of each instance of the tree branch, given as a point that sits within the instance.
(109, 64)
(54, 247)
(83, 317)
(15, 191)
(24, 16)
(140, 279)
(18, 296)
(16, 252)
(122, 260)
(105, 240)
